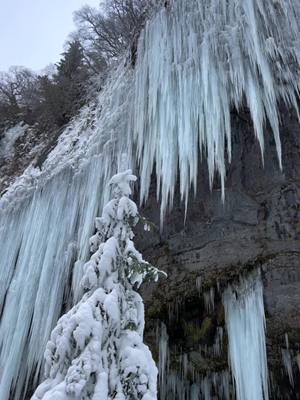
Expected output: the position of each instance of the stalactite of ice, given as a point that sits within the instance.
(197, 60)
(42, 236)
(37, 268)
(298, 361)
(245, 321)
(218, 344)
(175, 385)
(287, 360)
(174, 309)
(199, 284)
(209, 300)
(163, 359)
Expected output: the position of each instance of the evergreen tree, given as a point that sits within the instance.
(71, 77)
(96, 351)
(64, 93)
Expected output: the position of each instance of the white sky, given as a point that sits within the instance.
(32, 32)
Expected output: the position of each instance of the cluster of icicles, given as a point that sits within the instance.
(245, 321)
(197, 59)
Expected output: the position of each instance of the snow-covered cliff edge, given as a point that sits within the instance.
(208, 79)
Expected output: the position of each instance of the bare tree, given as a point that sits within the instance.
(107, 32)
(18, 94)
(102, 36)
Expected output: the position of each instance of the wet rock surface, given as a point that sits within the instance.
(258, 226)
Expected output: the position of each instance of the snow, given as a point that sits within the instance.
(101, 337)
(9, 139)
(245, 322)
(138, 365)
(196, 61)
(122, 180)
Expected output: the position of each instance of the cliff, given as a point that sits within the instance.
(215, 85)
(257, 227)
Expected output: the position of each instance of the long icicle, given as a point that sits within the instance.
(245, 321)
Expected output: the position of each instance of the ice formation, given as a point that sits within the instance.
(245, 321)
(40, 241)
(197, 60)
(175, 385)
(209, 300)
(9, 138)
(288, 360)
(298, 361)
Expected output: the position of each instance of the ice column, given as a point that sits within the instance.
(245, 320)
(38, 244)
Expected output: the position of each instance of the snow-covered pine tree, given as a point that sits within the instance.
(96, 351)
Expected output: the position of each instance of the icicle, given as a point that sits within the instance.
(209, 300)
(218, 344)
(199, 284)
(245, 321)
(197, 60)
(46, 219)
(163, 366)
(298, 361)
(287, 360)
(186, 383)
(38, 254)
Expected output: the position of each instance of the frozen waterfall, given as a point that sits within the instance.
(197, 60)
(44, 238)
(39, 243)
(245, 320)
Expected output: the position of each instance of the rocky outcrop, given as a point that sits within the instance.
(258, 226)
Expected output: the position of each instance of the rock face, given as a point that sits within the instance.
(258, 226)
(210, 245)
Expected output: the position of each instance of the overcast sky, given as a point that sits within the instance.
(32, 32)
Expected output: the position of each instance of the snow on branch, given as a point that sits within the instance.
(96, 351)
